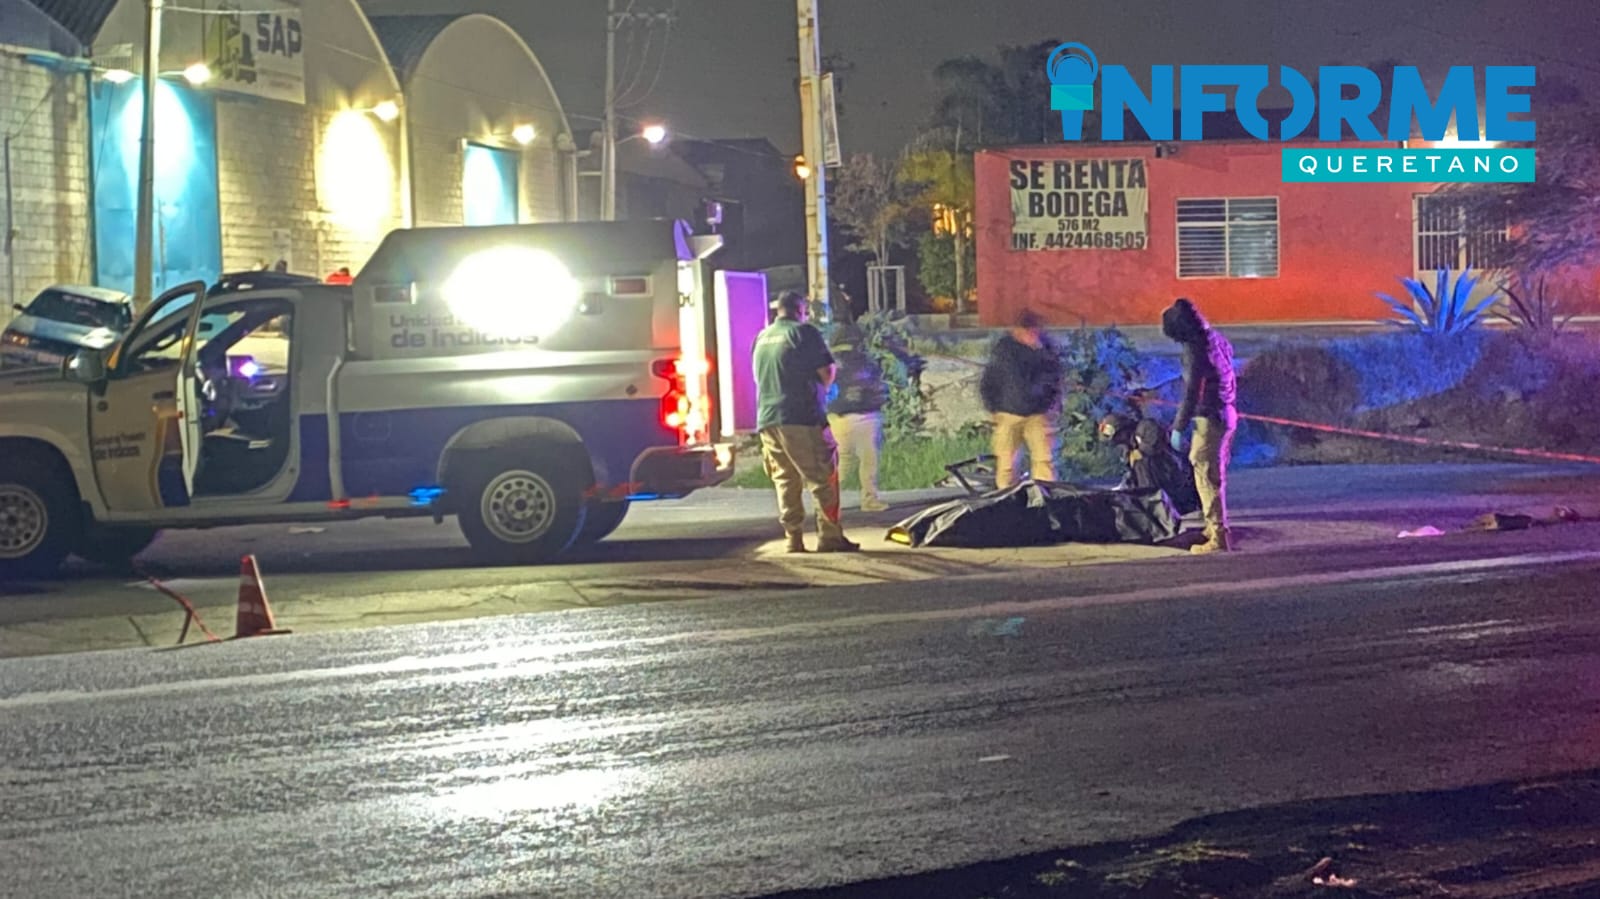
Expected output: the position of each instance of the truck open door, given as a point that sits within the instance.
(188, 387)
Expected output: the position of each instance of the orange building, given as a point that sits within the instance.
(1110, 233)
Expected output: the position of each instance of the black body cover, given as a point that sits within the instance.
(1038, 514)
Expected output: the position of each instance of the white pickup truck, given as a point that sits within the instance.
(531, 380)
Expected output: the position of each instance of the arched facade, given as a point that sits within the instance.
(474, 90)
(312, 139)
(306, 170)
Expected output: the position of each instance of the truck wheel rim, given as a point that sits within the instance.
(24, 521)
(518, 507)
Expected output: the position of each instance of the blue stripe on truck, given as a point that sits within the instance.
(394, 452)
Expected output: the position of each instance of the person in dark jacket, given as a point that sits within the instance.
(1151, 461)
(1021, 388)
(1210, 397)
(855, 411)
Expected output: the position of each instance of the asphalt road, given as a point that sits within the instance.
(719, 526)
(747, 745)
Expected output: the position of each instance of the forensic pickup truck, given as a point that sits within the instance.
(530, 380)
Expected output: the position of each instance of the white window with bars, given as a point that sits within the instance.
(1233, 237)
(1451, 236)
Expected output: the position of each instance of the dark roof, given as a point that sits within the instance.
(406, 38)
(84, 18)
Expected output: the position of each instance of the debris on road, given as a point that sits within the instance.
(1424, 531)
(1500, 521)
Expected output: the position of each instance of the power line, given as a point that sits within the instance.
(661, 66)
(631, 82)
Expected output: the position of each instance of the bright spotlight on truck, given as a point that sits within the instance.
(512, 292)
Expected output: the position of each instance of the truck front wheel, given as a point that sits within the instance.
(516, 509)
(39, 517)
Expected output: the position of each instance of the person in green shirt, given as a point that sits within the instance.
(794, 369)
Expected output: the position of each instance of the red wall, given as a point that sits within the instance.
(1338, 244)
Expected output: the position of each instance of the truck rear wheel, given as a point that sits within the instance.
(521, 508)
(39, 517)
(600, 520)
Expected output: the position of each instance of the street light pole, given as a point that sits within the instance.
(608, 145)
(811, 132)
(144, 238)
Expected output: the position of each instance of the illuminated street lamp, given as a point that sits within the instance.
(802, 169)
(654, 134)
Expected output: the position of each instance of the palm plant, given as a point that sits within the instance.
(1444, 311)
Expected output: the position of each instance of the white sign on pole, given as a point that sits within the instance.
(258, 53)
(831, 155)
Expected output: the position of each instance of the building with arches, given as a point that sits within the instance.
(315, 132)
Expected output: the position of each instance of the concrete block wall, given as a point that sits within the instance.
(542, 185)
(46, 116)
(267, 172)
(266, 181)
(437, 164)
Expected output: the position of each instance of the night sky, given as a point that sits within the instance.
(729, 64)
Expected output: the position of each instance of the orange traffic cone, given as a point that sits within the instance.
(255, 616)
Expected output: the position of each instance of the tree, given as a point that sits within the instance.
(868, 200)
(1554, 220)
(994, 104)
(940, 177)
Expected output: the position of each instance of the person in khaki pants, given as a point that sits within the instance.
(793, 371)
(1210, 398)
(1021, 388)
(855, 411)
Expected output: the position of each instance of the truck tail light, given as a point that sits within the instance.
(686, 406)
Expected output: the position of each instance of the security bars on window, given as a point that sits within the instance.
(1228, 238)
(1450, 236)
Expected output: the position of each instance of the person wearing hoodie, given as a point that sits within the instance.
(1210, 397)
(855, 411)
(1021, 388)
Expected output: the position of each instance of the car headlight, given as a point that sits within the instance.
(512, 292)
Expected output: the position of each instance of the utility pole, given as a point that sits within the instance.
(608, 143)
(144, 238)
(811, 133)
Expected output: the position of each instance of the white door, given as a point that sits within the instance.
(188, 389)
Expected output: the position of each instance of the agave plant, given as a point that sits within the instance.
(1535, 313)
(1445, 310)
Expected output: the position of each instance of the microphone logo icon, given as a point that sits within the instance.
(1072, 69)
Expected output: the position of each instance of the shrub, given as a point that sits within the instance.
(936, 265)
(1400, 368)
(889, 342)
(1445, 310)
(1100, 369)
(1535, 312)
